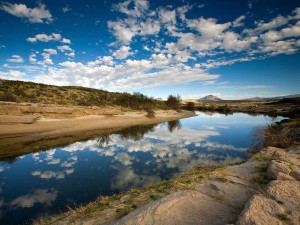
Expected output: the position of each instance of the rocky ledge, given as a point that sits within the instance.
(264, 190)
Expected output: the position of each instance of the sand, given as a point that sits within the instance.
(18, 138)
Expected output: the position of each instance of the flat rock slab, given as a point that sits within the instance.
(232, 193)
(182, 208)
(286, 192)
(245, 171)
(261, 211)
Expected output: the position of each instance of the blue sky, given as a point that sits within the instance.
(233, 49)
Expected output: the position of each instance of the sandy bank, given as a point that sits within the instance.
(18, 139)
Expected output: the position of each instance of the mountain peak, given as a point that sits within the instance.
(210, 98)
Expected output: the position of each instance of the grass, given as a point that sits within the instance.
(283, 217)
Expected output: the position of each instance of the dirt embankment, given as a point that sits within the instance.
(26, 128)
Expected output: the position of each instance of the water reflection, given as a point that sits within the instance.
(46, 181)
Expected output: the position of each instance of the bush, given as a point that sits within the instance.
(173, 102)
(8, 97)
(150, 113)
(190, 106)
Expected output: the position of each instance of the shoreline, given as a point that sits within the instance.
(19, 139)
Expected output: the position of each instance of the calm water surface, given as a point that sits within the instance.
(46, 182)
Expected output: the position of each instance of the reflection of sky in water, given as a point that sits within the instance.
(78, 173)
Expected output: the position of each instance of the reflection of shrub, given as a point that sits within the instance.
(150, 113)
(172, 125)
(135, 133)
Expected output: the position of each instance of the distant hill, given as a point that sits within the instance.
(273, 98)
(20, 91)
(210, 98)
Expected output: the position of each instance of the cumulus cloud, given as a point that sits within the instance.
(12, 74)
(15, 59)
(38, 14)
(123, 76)
(47, 38)
(123, 52)
(50, 51)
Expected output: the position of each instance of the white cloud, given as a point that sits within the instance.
(167, 16)
(64, 48)
(11, 74)
(123, 52)
(238, 21)
(32, 58)
(47, 38)
(66, 41)
(38, 14)
(66, 9)
(140, 6)
(50, 51)
(123, 76)
(15, 59)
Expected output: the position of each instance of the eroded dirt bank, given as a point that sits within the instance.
(26, 128)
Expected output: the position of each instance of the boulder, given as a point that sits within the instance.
(182, 208)
(276, 167)
(285, 192)
(260, 211)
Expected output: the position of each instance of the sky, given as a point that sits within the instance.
(231, 49)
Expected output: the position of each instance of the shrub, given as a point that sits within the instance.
(190, 106)
(150, 113)
(8, 97)
(173, 102)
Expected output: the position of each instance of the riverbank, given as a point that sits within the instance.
(262, 190)
(45, 126)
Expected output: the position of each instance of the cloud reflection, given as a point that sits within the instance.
(42, 196)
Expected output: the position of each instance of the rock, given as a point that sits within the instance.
(296, 172)
(286, 192)
(292, 158)
(246, 171)
(283, 176)
(236, 180)
(260, 211)
(295, 217)
(182, 208)
(273, 151)
(277, 166)
(233, 193)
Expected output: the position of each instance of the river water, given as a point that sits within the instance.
(47, 182)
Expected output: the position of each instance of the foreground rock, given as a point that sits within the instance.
(279, 203)
(184, 207)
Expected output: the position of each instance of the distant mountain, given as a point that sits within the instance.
(273, 98)
(286, 96)
(210, 98)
